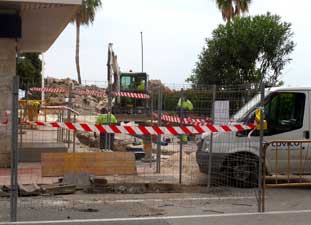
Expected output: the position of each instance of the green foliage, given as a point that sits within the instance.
(245, 50)
(29, 68)
(85, 15)
(231, 8)
(87, 11)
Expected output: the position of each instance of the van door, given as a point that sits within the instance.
(287, 115)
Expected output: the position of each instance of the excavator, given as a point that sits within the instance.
(126, 108)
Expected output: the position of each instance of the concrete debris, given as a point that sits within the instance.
(102, 104)
(121, 144)
(4, 193)
(29, 190)
(59, 189)
(98, 181)
(88, 139)
(6, 188)
(81, 103)
(140, 188)
(80, 180)
(155, 84)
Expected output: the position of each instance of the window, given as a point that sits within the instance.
(133, 83)
(284, 112)
(126, 83)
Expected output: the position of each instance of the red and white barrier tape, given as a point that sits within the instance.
(131, 95)
(146, 130)
(49, 90)
(90, 92)
(188, 120)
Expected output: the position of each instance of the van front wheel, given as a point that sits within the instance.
(243, 171)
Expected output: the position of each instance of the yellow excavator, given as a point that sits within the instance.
(126, 108)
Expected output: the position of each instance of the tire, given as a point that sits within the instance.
(243, 170)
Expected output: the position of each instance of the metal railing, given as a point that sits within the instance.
(282, 176)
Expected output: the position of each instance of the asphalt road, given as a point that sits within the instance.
(275, 218)
(284, 207)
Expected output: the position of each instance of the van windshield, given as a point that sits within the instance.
(249, 106)
(246, 108)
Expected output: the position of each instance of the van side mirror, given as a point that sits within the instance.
(257, 120)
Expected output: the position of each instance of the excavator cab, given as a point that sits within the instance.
(134, 83)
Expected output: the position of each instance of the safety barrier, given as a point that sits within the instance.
(131, 95)
(188, 120)
(89, 92)
(147, 130)
(287, 162)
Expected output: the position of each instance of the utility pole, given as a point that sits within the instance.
(142, 51)
(42, 78)
(109, 76)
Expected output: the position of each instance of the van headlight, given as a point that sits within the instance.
(203, 144)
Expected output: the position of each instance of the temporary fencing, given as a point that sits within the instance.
(163, 145)
(167, 122)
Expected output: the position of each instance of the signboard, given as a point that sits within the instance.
(221, 112)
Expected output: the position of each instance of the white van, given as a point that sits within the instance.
(287, 112)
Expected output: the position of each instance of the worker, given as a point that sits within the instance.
(106, 139)
(184, 106)
(141, 86)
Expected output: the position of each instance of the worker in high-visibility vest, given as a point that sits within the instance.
(184, 106)
(106, 139)
(141, 86)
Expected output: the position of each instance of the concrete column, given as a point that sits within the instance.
(7, 71)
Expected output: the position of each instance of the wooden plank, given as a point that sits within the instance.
(52, 164)
(96, 163)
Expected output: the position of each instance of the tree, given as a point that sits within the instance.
(84, 16)
(232, 8)
(29, 67)
(244, 51)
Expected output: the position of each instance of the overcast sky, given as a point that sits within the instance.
(174, 32)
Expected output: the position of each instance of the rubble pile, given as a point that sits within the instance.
(81, 103)
(86, 103)
(154, 86)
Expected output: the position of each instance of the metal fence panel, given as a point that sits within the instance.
(163, 163)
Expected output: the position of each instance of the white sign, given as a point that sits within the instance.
(221, 113)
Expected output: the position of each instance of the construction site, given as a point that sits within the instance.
(130, 147)
(63, 149)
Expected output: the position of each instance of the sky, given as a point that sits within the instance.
(174, 33)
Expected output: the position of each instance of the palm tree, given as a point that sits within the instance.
(232, 8)
(84, 16)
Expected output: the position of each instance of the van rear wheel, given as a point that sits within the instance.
(243, 171)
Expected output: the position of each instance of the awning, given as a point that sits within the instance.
(42, 20)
